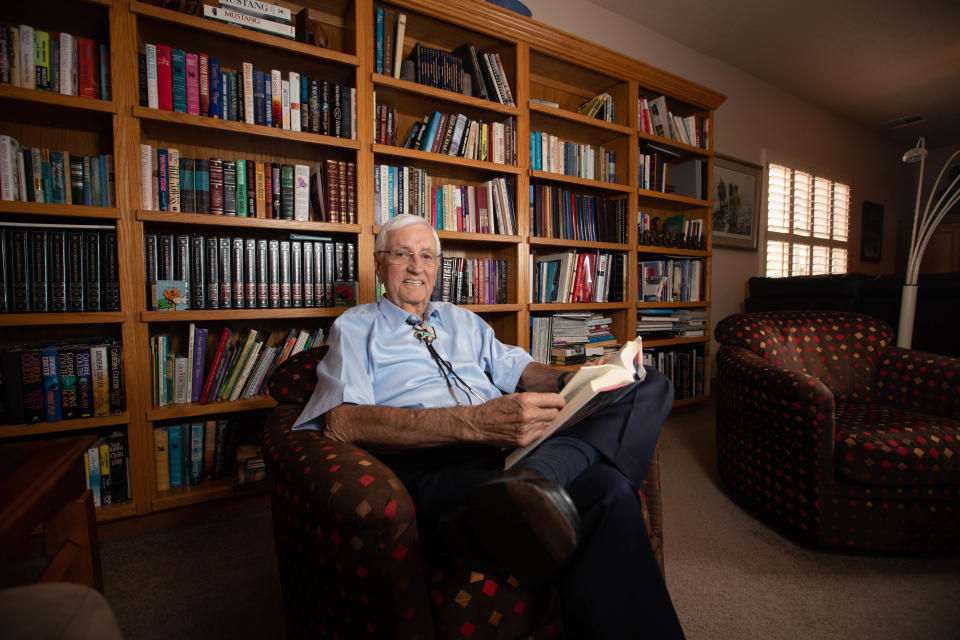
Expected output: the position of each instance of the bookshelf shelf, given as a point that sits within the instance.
(109, 512)
(37, 96)
(387, 87)
(180, 411)
(684, 149)
(484, 238)
(580, 182)
(54, 319)
(209, 26)
(63, 426)
(577, 244)
(673, 251)
(580, 306)
(231, 126)
(565, 121)
(666, 342)
(211, 220)
(204, 315)
(669, 200)
(61, 210)
(492, 308)
(186, 495)
(672, 305)
(440, 159)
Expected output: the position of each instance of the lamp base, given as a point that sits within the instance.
(908, 308)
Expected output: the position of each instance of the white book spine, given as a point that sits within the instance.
(248, 93)
(152, 99)
(146, 177)
(245, 372)
(285, 103)
(294, 101)
(240, 19)
(260, 9)
(301, 192)
(21, 176)
(398, 41)
(13, 42)
(190, 345)
(8, 168)
(28, 51)
(68, 63)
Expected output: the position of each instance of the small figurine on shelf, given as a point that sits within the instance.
(310, 29)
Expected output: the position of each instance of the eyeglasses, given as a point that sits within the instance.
(403, 256)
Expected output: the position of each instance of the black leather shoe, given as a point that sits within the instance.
(526, 522)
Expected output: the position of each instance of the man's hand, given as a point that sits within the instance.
(514, 420)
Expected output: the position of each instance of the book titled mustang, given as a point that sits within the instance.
(592, 388)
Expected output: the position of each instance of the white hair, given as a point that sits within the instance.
(399, 222)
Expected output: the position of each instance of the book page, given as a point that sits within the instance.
(624, 360)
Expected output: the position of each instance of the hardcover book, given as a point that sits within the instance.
(170, 295)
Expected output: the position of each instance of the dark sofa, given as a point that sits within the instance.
(938, 302)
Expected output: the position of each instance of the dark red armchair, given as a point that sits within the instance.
(348, 550)
(835, 436)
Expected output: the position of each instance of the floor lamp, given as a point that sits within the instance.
(923, 228)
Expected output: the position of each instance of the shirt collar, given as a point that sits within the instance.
(397, 317)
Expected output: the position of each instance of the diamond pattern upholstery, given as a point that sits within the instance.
(348, 551)
(835, 436)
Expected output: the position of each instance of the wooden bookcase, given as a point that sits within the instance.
(539, 61)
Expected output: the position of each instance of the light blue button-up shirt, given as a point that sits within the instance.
(375, 359)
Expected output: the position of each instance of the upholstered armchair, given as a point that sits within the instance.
(347, 545)
(835, 436)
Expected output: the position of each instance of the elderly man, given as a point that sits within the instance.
(428, 387)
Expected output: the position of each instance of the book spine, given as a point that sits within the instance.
(164, 78)
(250, 273)
(178, 73)
(196, 453)
(229, 187)
(273, 272)
(37, 247)
(111, 272)
(199, 357)
(51, 385)
(175, 455)
(192, 71)
(232, 16)
(99, 377)
(198, 283)
(216, 186)
(115, 368)
(161, 458)
(91, 277)
(212, 273)
(237, 272)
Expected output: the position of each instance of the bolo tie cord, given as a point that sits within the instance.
(426, 335)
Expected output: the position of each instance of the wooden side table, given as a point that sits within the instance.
(43, 483)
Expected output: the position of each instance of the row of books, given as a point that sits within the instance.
(578, 276)
(684, 367)
(54, 381)
(253, 14)
(471, 281)
(58, 268)
(482, 208)
(325, 192)
(195, 83)
(35, 174)
(454, 134)
(550, 153)
(570, 338)
(671, 323)
(188, 453)
(556, 212)
(657, 119)
(62, 63)
(213, 272)
(671, 280)
(106, 466)
(653, 167)
(236, 366)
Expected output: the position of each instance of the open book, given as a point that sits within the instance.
(592, 388)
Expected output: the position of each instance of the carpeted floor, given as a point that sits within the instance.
(731, 577)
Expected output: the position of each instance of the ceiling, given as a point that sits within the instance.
(871, 61)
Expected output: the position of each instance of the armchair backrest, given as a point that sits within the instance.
(839, 348)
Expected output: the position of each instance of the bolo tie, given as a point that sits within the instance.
(426, 335)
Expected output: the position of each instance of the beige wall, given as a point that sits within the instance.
(758, 123)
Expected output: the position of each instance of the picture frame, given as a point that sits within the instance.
(871, 233)
(736, 217)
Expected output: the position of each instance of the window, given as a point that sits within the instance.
(807, 221)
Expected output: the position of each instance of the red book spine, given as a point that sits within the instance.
(164, 78)
(204, 73)
(208, 385)
(88, 78)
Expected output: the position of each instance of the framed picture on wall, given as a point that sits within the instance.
(871, 234)
(736, 202)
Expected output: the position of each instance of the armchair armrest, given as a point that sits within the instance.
(346, 535)
(919, 381)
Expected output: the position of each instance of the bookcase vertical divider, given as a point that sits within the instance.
(365, 39)
(123, 48)
(522, 98)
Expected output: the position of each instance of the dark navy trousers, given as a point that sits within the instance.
(612, 586)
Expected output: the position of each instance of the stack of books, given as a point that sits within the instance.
(253, 14)
(188, 453)
(106, 467)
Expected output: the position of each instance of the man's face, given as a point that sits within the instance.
(409, 285)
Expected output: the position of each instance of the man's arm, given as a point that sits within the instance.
(540, 377)
(509, 421)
